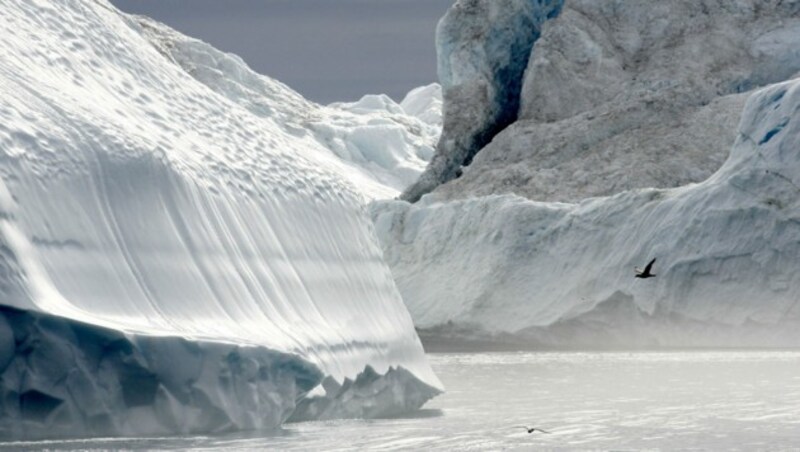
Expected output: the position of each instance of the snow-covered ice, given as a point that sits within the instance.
(425, 103)
(202, 220)
(374, 142)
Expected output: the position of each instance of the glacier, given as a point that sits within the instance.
(184, 244)
(532, 243)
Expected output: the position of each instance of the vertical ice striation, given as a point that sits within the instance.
(483, 49)
(177, 255)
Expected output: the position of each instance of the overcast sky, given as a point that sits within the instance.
(328, 50)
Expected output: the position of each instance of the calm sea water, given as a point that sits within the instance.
(681, 400)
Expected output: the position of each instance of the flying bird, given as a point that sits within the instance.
(532, 429)
(646, 272)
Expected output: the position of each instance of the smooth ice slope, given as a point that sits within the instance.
(562, 274)
(620, 95)
(148, 197)
(483, 47)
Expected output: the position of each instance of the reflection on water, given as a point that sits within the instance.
(719, 400)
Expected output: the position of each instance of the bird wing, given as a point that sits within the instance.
(649, 266)
(543, 431)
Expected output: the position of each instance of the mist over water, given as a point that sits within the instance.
(666, 400)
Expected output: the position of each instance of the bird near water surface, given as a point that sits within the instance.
(532, 429)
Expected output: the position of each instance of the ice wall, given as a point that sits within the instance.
(483, 49)
(561, 274)
(146, 199)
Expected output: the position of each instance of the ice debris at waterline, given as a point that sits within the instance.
(219, 253)
(77, 378)
(562, 274)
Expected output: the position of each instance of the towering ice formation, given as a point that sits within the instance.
(617, 96)
(178, 250)
(624, 94)
(483, 48)
(562, 274)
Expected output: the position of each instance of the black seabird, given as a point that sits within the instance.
(646, 272)
(532, 429)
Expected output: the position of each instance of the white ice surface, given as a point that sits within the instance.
(373, 143)
(726, 251)
(152, 192)
(425, 103)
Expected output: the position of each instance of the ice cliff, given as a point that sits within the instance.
(616, 94)
(616, 97)
(561, 274)
(182, 246)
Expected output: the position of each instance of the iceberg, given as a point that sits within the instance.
(374, 143)
(529, 236)
(179, 250)
(622, 95)
(507, 269)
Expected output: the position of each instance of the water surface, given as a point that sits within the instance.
(642, 400)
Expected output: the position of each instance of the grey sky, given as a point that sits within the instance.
(328, 50)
